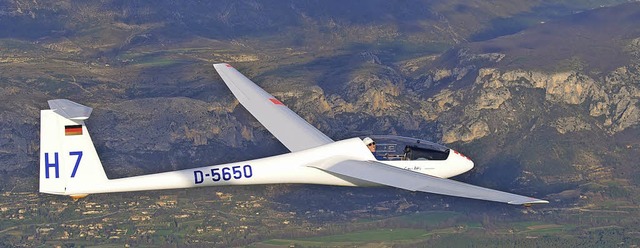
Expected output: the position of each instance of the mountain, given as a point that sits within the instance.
(543, 95)
(566, 88)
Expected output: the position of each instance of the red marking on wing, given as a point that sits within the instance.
(228, 65)
(276, 101)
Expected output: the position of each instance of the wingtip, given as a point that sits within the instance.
(222, 65)
(529, 202)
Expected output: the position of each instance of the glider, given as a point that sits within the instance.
(69, 163)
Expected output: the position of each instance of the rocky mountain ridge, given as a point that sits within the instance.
(614, 98)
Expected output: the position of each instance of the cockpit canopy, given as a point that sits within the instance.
(389, 147)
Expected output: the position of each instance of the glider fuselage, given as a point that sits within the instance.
(287, 168)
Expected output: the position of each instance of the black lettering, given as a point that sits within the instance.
(198, 176)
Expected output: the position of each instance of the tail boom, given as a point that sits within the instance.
(69, 163)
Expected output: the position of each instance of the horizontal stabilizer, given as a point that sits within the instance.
(384, 174)
(69, 109)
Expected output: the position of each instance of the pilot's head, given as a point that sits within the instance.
(370, 144)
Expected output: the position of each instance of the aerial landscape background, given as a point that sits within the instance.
(543, 96)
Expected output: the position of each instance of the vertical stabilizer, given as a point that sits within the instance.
(68, 158)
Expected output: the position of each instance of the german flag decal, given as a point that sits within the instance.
(73, 130)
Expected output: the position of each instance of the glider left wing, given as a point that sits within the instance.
(384, 174)
(290, 129)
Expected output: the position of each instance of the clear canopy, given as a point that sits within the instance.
(389, 147)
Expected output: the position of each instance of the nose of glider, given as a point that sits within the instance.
(468, 165)
(465, 163)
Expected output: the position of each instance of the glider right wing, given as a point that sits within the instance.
(380, 173)
(290, 129)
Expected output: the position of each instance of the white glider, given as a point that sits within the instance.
(69, 163)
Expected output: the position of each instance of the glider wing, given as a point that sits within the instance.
(290, 129)
(384, 174)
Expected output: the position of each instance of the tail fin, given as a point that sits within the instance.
(68, 159)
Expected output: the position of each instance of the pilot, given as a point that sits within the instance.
(370, 144)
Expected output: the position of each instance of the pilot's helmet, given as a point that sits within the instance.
(367, 141)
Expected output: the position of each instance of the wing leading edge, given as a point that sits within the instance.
(384, 174)
(290, 129)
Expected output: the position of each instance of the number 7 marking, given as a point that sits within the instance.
(75, 168)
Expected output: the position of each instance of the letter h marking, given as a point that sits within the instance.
(48, 165)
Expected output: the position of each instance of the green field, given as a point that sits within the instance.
(429, 218)
(360, 237)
